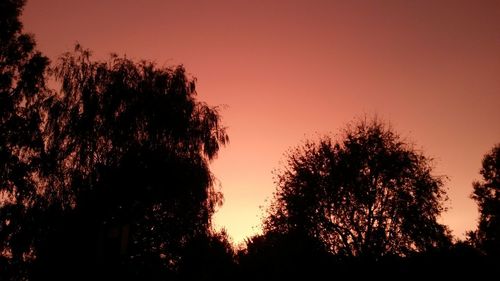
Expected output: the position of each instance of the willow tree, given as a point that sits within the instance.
(128, 150)
(367, 193)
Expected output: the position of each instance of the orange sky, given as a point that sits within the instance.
(290, 70)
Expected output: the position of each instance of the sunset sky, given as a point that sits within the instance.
(294, 70)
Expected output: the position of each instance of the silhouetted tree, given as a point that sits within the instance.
(368, 194)
(22, 88)
(487, 195)
(208, 257)
(128, 150)
(283, 256)
(109, 174)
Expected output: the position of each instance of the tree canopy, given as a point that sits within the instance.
(368, 193)
(22, 88)
(109, 177)
(128, 149)
(109, 172)
(487, 195)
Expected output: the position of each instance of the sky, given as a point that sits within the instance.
(286, 71)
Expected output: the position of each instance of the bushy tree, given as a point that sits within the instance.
(22, 88)
(368, 193)
(209, 257)
(284, 256)
(487, 195)
(128, 152)
(111, 173)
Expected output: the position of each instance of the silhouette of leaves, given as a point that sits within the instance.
(367, 194)
(487, 195)
(129, 146)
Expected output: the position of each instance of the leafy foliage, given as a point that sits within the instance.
(284, 256)
(110, 173)
(368, 194)
(128, 147)
(487, 195)
(109, 178)
(208, 257)
(22, 88)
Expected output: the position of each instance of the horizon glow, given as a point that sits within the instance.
(294, 70)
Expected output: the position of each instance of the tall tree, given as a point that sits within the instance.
(366, 194)
(487, 195)
(129, 146)
(22, 88)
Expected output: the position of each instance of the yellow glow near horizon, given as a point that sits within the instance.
(290, 70)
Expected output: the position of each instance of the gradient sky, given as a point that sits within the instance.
(291, 70)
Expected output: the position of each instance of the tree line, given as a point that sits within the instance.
(108, 178)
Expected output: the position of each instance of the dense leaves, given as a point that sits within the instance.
(487, 195)
(208, 257)
(367, 194)
(108, 179)
(22, 88)
(128, 149)
(111, 172)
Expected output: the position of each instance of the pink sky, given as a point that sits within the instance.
(291, 70)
